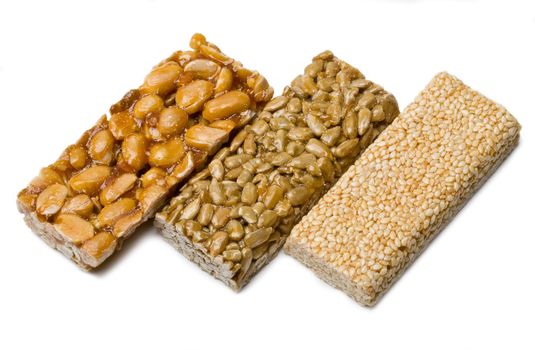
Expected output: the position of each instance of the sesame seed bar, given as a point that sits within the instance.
(233, 217)
(404, 189)
(120, 172)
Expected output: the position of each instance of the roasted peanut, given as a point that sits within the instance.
(126, 222)
(227, 125)
(202, 68)
(149, 196)
(74, 228)
(89, 180)
(153, 176)
(150, 103)
(192, 96)
(46, 177)
(50, 201)
(100, 244)
(224, 106)
(185, 167)
(224, 81)
(133, 150)
(122, 125)
(80, 205)
(172, 121)
(166, 154)
(215, 54)
(110, 213)
(101, 147)
(77, 157)
(162, 79)
(197, 40)
(205, 138)
(117, 188)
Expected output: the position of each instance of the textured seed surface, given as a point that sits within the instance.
(219, 242)
(157, 134)
(406, 186)
(276, 168)
(257, 237)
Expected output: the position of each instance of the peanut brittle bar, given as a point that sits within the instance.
(119, 173)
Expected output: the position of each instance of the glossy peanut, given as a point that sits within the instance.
(205, 138)
(192, 96)
(153, 176)
(121, 125)
(89, 180)
(166, 154)
(133, 150)
(185, 167)
(80, 205)
(100, 244)
(78, 157)
(151, 103)
(46, 177)
(74, 228)
(224, 81)
(172, 121)
(224, 106)
(50, 201)
(117, 188)
(101, 147)
(110, 213)
(202, 68)
(162, 79)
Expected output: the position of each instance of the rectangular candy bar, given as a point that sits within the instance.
(404, 189)
(121, 170)
(233, 217)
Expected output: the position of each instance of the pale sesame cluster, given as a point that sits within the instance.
(404, 188)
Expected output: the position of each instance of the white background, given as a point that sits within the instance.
(63, 63)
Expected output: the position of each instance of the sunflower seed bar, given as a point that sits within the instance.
(121, 170)
(404, 189)
(233, 217)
